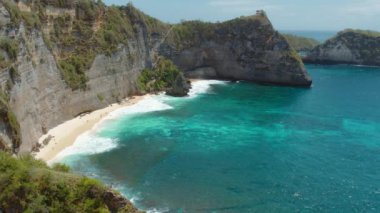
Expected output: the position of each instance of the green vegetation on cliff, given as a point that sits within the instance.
(10, 48)
(160, 78)
(300, 43)
(79, 30)
(29, 185)
(30, 18)
(192, 33)
(8, 117)
(368, 33)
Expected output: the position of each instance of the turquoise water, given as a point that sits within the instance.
(242, 147)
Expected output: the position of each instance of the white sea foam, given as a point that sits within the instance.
(201, 86)
(157, 210)
(87, 144)
(90, 143)
(369, 66)
(148, 104)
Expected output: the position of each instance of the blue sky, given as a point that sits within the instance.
(285, 14)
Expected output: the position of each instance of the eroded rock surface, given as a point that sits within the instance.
(348, 47)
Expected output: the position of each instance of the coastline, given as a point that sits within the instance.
(65, 134)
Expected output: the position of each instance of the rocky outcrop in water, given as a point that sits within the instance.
(348, 47)
(180, 87)
(75, 58)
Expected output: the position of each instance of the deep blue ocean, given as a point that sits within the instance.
(244, 147)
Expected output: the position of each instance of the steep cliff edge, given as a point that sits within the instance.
(246, 48)
(348, 47)
(78, 56)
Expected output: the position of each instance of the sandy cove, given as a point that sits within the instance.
(65, 134)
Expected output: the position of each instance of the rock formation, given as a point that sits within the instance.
(348, 47)
(246, 48)
(180, 87)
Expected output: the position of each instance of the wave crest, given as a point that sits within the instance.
(88, 144)
(201, 86)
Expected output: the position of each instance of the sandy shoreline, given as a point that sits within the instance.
(65, 134)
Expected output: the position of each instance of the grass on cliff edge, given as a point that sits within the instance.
(368, 33)
(29, 185)
(301, 43)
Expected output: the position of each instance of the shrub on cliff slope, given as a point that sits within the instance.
(9, 46)
(29, 185)
(30, 18)
(8, 117)
(159, 78)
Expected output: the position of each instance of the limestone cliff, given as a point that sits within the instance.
(42, 99)
(246, 48)
(63, 58)
(348, 47)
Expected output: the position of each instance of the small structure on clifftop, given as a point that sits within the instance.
(260, 12)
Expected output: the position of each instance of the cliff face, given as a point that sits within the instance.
(41, 99)
(241, 49)
(74, 60)
(348, 47)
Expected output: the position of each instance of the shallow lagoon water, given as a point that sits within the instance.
(243, 147)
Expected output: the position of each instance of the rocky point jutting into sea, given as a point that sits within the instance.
(62, 59)
(357, 47)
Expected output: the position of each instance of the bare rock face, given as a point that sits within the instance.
(117, 203)
(348, 47)
(242, 49)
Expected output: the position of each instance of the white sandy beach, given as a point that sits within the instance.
(64, 135)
